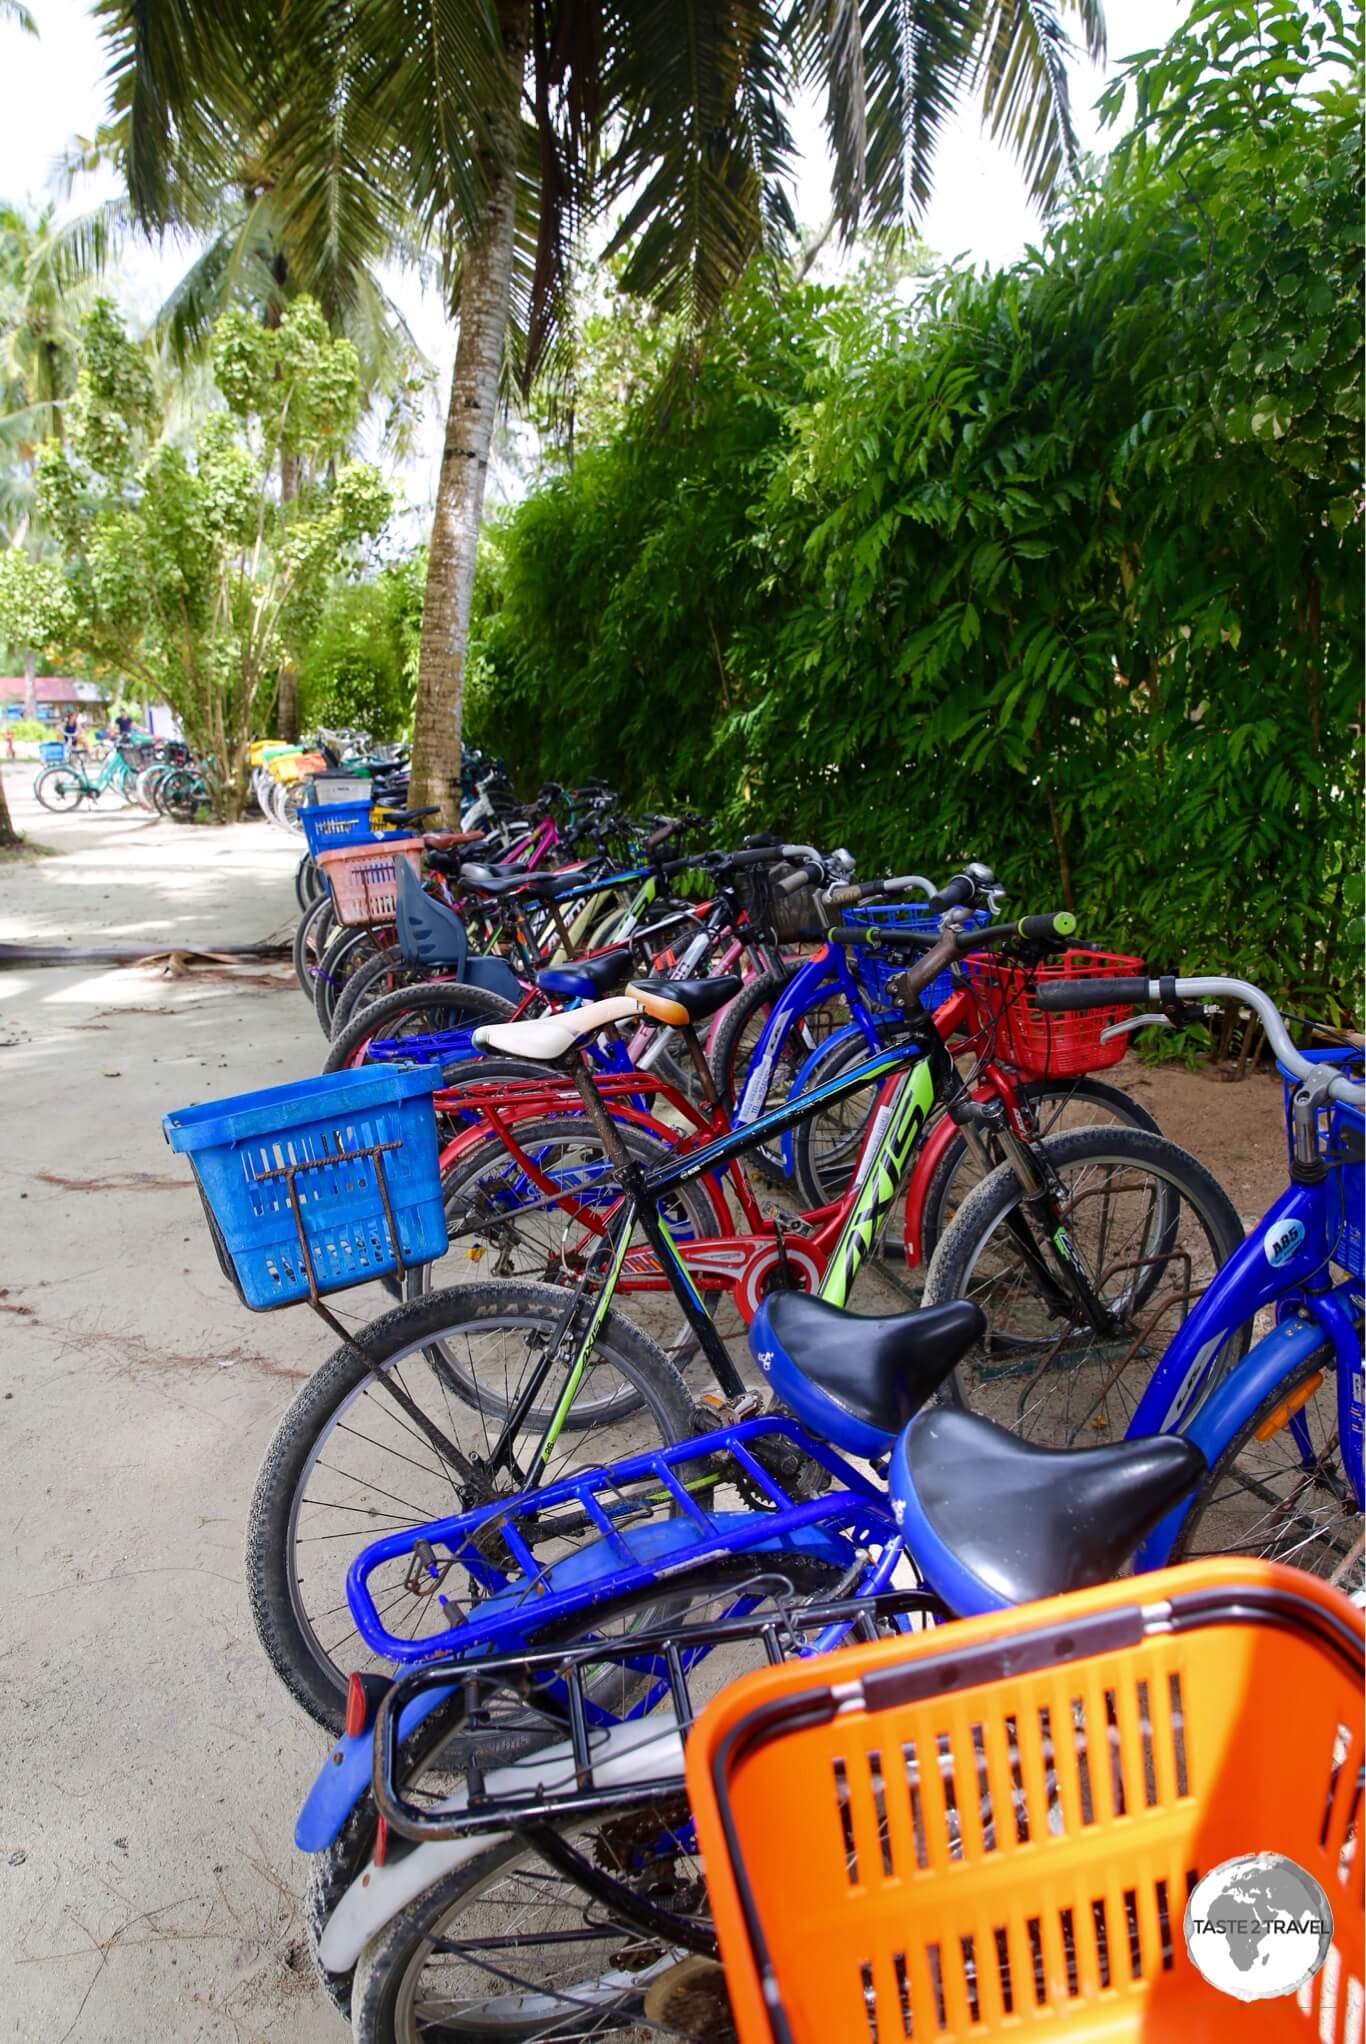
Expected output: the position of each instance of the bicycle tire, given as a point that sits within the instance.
(820, 1181)
(407, 1331)
(946, 1193)
(435, 998)
(346, 949)
(386, 972)
(523, 1248)
(311, 932)
(309, 885)
(1258, 1537)
(1003, 1354)
(59, 790)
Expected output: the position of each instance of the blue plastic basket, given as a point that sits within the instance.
(331, 826)
(51, 754)
(346, 1143)
(1342, 1132)
(875, 969)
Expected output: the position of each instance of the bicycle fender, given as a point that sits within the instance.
(345, 1776)
(1267, 1363)
(377, 1895)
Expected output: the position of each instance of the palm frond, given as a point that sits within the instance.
(1022, 72)
(701, 89)
(12, 11)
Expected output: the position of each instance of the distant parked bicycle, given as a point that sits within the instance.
(65, 786)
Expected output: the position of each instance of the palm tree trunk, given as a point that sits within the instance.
(9, 836)
(485, 291)
(30, 683)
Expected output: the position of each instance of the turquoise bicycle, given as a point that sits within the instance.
(65, 787)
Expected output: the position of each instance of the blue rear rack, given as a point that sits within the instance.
(617, 1554)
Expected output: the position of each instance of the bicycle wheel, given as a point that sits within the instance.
(1146, 1223)
(347, 1464)
(382, 974)
(181, 796)
(532, 1956)
(347, 950)
(737, 1038)
(60, 789)
(1279, 1489)
(312, 931)
(309, 885)
(1056, 1105)
(434, 1007)
(500, 1219)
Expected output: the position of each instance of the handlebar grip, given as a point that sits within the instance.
(1065, 995)
(844, 896)
(955, 893)
(792, 882)
(1043, 929)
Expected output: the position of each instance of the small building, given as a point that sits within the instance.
(54, 694)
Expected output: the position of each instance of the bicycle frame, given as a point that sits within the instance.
(913, 1073)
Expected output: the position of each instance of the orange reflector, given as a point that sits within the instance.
(1274, 1421)
(355, 1706)
(381, 1842)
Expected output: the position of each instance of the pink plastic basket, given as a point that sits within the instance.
(363, 878)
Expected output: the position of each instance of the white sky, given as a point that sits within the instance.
(52, 87)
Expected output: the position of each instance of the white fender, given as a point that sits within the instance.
(636, 1751)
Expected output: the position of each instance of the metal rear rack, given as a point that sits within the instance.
(577, 1764)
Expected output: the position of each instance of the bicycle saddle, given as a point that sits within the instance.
(517, 880)
(587, 979)
(995, 1521)
(854, 1379)
(544, 1039)
(682, 1002)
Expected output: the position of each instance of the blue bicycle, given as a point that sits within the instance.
(1275, 1408)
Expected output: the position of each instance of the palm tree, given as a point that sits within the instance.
(503, 126)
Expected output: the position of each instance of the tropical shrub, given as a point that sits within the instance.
(358, 667)
(1061, 567)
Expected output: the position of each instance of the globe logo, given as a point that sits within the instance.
(1258, 1926)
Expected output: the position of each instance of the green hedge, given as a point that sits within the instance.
(1061, 568)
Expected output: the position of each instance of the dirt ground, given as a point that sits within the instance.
(152, 1765)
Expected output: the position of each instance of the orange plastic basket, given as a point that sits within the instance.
(363, 878)
(1061, 1046)
(992, 1829)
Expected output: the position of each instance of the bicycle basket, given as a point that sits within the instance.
(329, 826)
(321, 1184)
(787, 918)
(52, 752)
(877, 969)
(999, 1823)
(1060, 1046)
(1342, 1136)
(340, 787)
(363, 878)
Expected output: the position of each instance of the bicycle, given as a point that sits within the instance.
(535, 1371)
(554, 1876)
(1289, 1461)
(64, 788)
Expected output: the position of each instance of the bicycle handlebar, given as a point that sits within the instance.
(1098, 993)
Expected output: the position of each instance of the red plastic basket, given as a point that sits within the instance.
(1060, 1046)
(363, 878)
